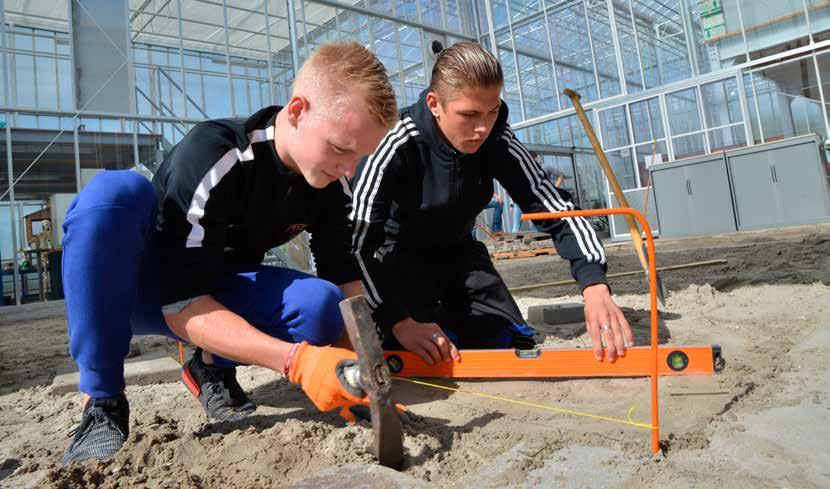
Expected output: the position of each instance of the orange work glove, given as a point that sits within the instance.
(320, 371)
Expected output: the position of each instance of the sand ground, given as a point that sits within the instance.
(763, 422)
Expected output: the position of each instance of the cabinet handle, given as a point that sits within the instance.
(775, 173)
(689, 186)
(772, 173)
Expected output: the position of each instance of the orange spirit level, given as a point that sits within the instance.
(547, 363)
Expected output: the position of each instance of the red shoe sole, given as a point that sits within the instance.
(190, 383)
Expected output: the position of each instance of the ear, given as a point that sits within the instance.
(433, 103)
(296, 107)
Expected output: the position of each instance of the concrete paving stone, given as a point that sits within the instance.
(140, 371)
(556, 313)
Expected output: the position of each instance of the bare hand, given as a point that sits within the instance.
(606, 323)
(425, 340)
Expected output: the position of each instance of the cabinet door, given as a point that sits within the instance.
(672, 199)
(710, 198)
(755, 198)
(800, 184)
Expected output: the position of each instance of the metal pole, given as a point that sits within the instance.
(5, 61)
(757, 107)
(552, 58)
(228, 56)
(72, 70)
(750, 139)
(591, 47)
(128, 58)
(77, 151)
(702, 115)
(687, 31)
(809, 24)
(743, 29)
(271, 96)
(400, 64)
(637, 44)
(666, 129)
(488, 11)
(10, 167)
(292, 35)
(612, 21)
(181, 55)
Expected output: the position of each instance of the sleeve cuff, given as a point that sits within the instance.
(386, 316)
(591, 274)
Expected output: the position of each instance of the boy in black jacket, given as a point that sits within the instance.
(433, 288)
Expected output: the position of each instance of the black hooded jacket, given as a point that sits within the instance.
(417, 192)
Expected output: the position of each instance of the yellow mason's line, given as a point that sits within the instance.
(628, 422)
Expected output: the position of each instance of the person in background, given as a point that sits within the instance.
(552, 174)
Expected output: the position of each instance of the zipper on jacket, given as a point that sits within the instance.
(455, 183)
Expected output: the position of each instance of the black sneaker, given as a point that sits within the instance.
(217, 389)
(104, 427)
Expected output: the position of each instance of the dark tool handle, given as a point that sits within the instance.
(375, 380)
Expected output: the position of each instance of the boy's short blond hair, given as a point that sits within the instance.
(464, 65)
(336, 70)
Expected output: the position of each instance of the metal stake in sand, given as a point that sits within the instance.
(652, 289)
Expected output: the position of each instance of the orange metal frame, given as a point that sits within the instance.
(652, 289)
(547, 363)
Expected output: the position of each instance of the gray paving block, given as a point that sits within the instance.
(556, 314)
(141, 371)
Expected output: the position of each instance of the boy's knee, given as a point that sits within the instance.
(320, 309)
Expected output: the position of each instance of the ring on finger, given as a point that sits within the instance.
(605, 327)
(436, 335)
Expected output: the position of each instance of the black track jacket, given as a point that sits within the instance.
(225, 198)
(417, 192)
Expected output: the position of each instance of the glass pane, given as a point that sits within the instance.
(431, 12)
(662, 41)
(788, 100)
(414, 76)
(721, 103)
(688, 146)
(623, 166)
(383, 32)
(47, 82)
(24, 72)
(647, 120)
(249, 57)
(572, 52)
(684, 116)
(727, 138)
(560, 165)
(599, 23)
(648, 155)
(536, 72)
(628, 47)
(66, 99)
(511, 83)
(614, 127)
